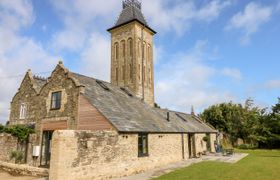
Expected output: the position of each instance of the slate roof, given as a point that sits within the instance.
(39, 82)
(129, 14)
(130, 114)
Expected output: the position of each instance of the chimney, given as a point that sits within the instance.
(167, 117)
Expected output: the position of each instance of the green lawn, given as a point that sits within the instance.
(258, 165)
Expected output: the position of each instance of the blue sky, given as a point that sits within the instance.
(206, 51)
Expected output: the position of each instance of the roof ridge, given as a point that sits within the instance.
(90, 77)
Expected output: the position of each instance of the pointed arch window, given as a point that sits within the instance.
(117, 74)
(116, 50)
(130, 45)
(23, 111)
(139, 48)
(130, 71)
(123, 49)
(149, 52)
(123, 72)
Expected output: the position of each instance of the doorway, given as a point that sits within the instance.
(191, 145)
(46, 148)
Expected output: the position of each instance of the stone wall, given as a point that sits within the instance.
(106, 154)
(213, 138)
(21, 169)
(200, 145)
(8, 143)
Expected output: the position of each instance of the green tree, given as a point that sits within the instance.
(234, 119)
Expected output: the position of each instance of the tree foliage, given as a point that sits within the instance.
(19, 131)
(252, 124)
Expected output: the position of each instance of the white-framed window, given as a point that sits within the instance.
(23, 111)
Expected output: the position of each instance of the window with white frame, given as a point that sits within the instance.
(23, 111)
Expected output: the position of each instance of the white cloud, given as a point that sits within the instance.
(250, 20)
(18, 53)
(15, 14)
(232, 73)
(180, 14)
(79, 18)
(273, 84)
(188, 81)
(212, 10)
(96, 57)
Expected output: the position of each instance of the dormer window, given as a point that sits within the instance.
(56, 100)
(23, 111)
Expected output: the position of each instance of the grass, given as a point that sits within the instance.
(258, 165)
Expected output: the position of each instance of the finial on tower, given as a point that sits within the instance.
(128, 3)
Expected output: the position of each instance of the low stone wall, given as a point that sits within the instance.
(87, 155)
(21, 169)
(8, 143)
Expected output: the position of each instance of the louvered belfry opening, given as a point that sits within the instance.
(135, 3)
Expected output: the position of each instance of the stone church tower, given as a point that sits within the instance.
(132, 52)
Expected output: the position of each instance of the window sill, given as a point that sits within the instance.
(55, 109)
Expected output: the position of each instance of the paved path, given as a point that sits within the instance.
(171, 167)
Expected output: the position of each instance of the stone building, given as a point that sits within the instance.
(87, 128)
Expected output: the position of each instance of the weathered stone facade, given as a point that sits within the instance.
(8, 143)
(38, 102)
(60, 80)
(106, 154)
(127, 59)
(27, 94)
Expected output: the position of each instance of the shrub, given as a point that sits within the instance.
(19, 131)
(2, 128)
(247, 146)
(226, 144)
(17, 155)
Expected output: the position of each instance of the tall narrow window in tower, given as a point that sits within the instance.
(123, 49)
(139, 48)
(130, 72)
(116, 50)
(117, 74)
(144, 73)
(149, 71)
(139, 74)
(145, 51)
(130, 45)
(149, 52)
(123, 72)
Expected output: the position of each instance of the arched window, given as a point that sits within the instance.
(144, 73)
(149, 52)
(123, 48)
(145, 51)
(116, 50)
(117, 74)
(139, 74)
(130, 46)
(139, 48)
(123, 72)
(130, 72)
